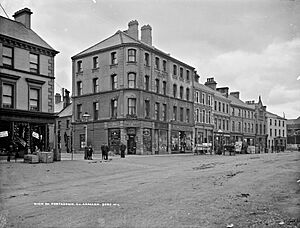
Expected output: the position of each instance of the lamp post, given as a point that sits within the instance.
(85, 117)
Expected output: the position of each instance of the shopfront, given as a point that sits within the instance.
(181, 141)
(131, 140)
(147, 141)
(114, 139)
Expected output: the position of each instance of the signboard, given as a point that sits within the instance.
(238, 146)
(3, 134)
(35, 135)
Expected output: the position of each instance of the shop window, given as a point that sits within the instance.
(8, 95)
(34, 63)
(7, 56)
(34, 99)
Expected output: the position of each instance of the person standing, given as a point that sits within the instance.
(10, 152)
(122, 148)
(106, 151)
(90, 153)
(103, 151)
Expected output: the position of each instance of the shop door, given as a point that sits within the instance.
(131, 144)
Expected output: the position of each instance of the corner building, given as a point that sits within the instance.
(134, 94)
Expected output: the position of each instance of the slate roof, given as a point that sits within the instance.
(17, 30)
(238, 102)
(67, 111)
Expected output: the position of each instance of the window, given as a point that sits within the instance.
(68, 124)
(275, 132)
(209, 100)
(131, 80)
(248, 114)
(79, 66)
(164, 65)
(187, 94)
(147, 82)
(245, 127)
(164, 112)
(79, 111)
(79, 88)
(95, 62)
(283, 133)
(197, 115)
(220, 123)
(181, 114)
(203, 116)
(96, 85)
(216, 122)
(223, 124)
(252, 128)
(181, 92)
(239, 113)
(34, 63)
(156, 111)
(248, 127)
(174, 113)
(157, 85)
(209, 117)
(197, 97)
(223, 107)
(181, 72)
(58, 125)
(203, 98)
(174, 69)
(175, 90)
(227, 108)
(271, 132)
(113, 57)
(187, 75)
(96, 110)
(216, 105)
(270, 122)
(147, 59)
(114, 108)
(7, 56)
(279, 124)
(227, 125)
(219, 106)
(114, 82)
(164, 87)
(147, 109)
(34, 99)
(131, 106)
(283, 123)
(188, 115)
(157, 63)
(7, 95)
(131, 55)
(275, 122)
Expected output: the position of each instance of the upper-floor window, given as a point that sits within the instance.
(197, 97)
(232, 111)
(209, 117)
(7, 56)
(67, 124)
(95, 62)
(131, 80)
(114, 107)
(8, 95)
(279, 123)
(239, 113)
(79, 88)
(197, 115)
(209, 100)
(147, 108)
(164, 88)
(34, 63)
(187, 94)
(181, 72)
(131, 106)
(216, 105)
(131, 55)
(114, 82)
(181, 114)
(95, 85)
(147, 82)
(283, 123)
(79, 66)
(219, 106)
(271, 132)
(223, 107)
(187, 75)
(188, 115)
(270, 122)
(96, 110)
(175, 113)
(175, 90)
(79, 111)
(156, 111)
(181, 92)
(157, 85)
(203, 116)
(227, 108)
(113, 57)
(147, 59)
(34, 99)
(175, 69)
(157, 63)
(203, 98)
(164, 65)
(164, 112)
(275, 123)
(233, 126)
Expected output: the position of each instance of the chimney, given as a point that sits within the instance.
(146, 36)
(133, 29)
(57, 98)
(23, 16)
(223, 90)
(235, 94)
(196, 76)
(66, 98)
(211, 83)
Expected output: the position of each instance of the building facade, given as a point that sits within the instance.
(293, 134)
(277, 132)
(132, 93)
(26, 86)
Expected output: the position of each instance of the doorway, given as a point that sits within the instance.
(131, 144)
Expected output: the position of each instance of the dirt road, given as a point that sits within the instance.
(258, 190)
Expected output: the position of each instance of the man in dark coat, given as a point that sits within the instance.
(103, 149)
(122, 148)
(90, 152)
(106, 151)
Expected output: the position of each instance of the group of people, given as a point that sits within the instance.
(88, 153)
(105, 149)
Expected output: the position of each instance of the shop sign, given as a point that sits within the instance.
(35, 135)
(3, 134)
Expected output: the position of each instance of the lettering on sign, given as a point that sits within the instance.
(3, 134)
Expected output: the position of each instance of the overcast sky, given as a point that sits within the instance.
(250, 46)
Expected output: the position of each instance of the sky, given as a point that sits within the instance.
(251, 46)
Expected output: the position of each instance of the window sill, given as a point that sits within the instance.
(79, 73)
(95, 70)
(113, 65)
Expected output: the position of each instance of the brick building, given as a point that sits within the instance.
(134, 94)
(26, 85)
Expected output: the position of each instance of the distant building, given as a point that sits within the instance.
(26, 86)
(134, 94)
(293, 133)
(277, 132)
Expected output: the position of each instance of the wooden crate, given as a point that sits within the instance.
(31, 158)
(45, 157)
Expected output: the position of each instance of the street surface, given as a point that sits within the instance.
(256, 190)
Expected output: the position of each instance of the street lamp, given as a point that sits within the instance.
(85, 117)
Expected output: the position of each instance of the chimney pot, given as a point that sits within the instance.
(23, 16)
(211, 83)
(133, 29)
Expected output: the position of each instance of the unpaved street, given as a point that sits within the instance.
(257, 190)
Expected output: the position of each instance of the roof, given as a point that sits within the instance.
(294, 121)
(203, 88)
(273, 115)
(17, 30)
(238, 102)
(120, 38)
(58, 107)
(67, 111)
(215, 92)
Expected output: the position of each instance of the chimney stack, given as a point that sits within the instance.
(133, 29)
(223, 90)
(57, 98)
(23, 16)
(211, 83)
(235, 94)
(146, 36)
(66, 98)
